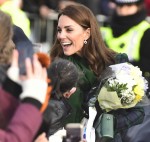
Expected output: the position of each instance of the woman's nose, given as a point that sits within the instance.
(61, 35)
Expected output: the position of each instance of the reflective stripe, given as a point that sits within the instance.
(131, 46)
(129, 42)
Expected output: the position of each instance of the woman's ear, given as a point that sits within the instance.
(69, 93)
(88, 33)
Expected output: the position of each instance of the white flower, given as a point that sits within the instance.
(128, 84)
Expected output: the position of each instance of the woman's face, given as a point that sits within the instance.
(71, 35)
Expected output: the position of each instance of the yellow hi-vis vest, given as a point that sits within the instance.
(19, 17)
(129, 42)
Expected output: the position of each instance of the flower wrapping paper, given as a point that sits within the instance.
(123, 87)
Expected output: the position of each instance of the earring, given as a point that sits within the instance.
(85, 41)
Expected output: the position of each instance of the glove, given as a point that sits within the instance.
(35, 89)
(34, 83)
(13, 71)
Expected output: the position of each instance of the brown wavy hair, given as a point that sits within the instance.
(6, 43)
(95, 51)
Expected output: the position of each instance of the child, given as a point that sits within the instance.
(64, 76)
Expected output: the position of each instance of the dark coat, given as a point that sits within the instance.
(86, 80)
(141, 132)
(54, 116)
(123, 118)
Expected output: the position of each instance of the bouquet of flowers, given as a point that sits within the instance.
(122, 87)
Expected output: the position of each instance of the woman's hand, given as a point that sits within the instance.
(41, 138)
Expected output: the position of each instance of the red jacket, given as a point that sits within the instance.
(21, 121)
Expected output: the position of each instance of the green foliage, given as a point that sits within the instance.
(116, 87)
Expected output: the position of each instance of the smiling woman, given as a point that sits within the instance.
(79, 40)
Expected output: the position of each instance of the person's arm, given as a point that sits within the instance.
(41, 138)
(27, 117)
(24, 119)
(144, 52)
(8, 105)
(126, 118)
(23, 126)
(144, 62)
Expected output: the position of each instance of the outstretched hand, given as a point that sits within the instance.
(41, 138)
(34, 70)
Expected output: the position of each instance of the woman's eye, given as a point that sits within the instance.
(69, 30)
(59, 30)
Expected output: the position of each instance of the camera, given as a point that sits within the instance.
(74, 132)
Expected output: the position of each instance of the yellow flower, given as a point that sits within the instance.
(139, 93)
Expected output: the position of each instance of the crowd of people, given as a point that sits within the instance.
(40, 93)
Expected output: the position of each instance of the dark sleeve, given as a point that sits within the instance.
(11, 87)
(90, 99)
(145, 52)
(3, 70)
(126, 118)
(144, 62)
(121, 58)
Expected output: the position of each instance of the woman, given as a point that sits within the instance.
(6, 44)
(79, 40)
(19, 103)
(6, 33)
(82, 44)
(17, 115)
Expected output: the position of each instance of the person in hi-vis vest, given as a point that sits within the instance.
(19, 17)
(129, 32)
